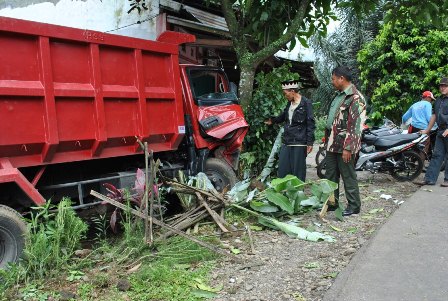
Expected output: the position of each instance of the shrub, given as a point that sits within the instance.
(267, 101)
(404, 60)
(53, 239)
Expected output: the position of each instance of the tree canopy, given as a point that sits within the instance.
(405, 59)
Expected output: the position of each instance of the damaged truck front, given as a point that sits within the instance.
(74, 102)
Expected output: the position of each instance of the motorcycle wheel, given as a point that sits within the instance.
(321, 168)
(409, 168)
(320, 155)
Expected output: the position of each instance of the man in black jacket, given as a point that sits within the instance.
(440, 115)
(298, 137)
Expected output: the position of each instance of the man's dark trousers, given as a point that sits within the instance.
(439, 154)
(335, 167)
(292, 161)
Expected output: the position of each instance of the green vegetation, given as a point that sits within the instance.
(268, 101)
(404, 60)
(175, 269)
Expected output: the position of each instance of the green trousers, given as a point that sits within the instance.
(336, 168)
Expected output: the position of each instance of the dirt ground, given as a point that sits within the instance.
(284, 268)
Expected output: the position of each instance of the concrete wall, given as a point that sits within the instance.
(105, 16)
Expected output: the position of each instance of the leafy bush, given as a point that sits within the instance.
(53, 238)
(404, 60)
(319, 133)
(268, 100)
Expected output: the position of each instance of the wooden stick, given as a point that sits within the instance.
(251, 241)
(185, 216)
(151, 195)
(163, 225)
(156, 170)
(212, 213)
(185, 224)
(324, 209)
(212, 195)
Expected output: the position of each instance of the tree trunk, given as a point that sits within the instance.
(246, 84)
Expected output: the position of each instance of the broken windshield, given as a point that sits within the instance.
(210, 87)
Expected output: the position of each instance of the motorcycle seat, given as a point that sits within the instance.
(383, 143)
(370, 139)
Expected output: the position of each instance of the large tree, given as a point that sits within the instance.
(261, 28)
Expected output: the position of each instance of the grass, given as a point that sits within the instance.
(176, 269)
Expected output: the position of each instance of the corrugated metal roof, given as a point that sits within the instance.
(207, 18)
(209, 21)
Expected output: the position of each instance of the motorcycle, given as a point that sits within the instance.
(387, 129)
(399, 155)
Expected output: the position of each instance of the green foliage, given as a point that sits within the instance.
(341, 47)
(284, 196)
(53, 239)
(319, 133)
(256, 17)
(268, 100)
(402, 62)
(55, 233)
(175, 275)
(33, 293)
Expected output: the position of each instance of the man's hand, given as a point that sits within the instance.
(445, 133)
(346, 156)
(309, 148)
(268, 122)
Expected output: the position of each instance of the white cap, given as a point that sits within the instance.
(290, 84)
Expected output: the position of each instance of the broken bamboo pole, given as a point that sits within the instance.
(163, 225)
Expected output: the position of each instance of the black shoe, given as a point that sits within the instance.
(348, 212)
(423, 183)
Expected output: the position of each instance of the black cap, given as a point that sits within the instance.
(444, 81)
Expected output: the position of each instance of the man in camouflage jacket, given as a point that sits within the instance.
(343, 132)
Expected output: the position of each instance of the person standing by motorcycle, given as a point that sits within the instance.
(298, 137)
(420, 112)
(343, 132)
(441, 146)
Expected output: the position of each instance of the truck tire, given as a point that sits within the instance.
(220, 174)
(12, 235)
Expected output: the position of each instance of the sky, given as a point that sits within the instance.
(307, 54)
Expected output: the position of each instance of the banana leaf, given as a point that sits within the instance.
(294, 231)
(281, 184)
(269, 166)
(263, 207)
(280, 200)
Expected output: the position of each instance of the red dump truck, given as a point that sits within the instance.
(73, 103)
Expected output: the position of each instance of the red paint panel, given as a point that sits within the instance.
(22, 120)
(158, 112)
(18, 58)
(157, 70)
(70, 62)
(117, 66)
(121, 117)
(75, 118)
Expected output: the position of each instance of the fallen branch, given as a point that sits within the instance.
(163, 225)
(251, 241)
(216, 217)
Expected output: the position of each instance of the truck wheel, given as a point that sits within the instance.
(12, 235)
(220, 174)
